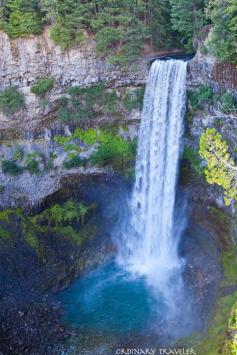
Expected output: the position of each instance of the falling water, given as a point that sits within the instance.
(150, 244)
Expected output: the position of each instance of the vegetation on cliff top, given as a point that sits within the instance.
(122, 28)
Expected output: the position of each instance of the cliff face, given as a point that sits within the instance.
(24, 61)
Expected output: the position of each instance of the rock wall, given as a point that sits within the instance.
(23, 61)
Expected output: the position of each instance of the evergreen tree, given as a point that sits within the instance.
(187, 17)
(160, 23)
(223, 44)
(23, 18)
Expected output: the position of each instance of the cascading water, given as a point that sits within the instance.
(150, 244)
(141, 293)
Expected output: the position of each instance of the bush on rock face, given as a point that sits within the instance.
(10, 167)
(43, 86)
(31, 164)
(204, 94)
(227, 102)
(115, 151)
(11, 101)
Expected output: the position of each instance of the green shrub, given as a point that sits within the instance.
(192, 156)
(11, 101)
(197, 98)
(110, 103)
(71, 147)
(74, 161)
(61, 140)
(18, 153)
(106, 38)
(115, 151)
(64, 37)
(10, 167)
(31, 164)
(227, 102)
(83, 102)
(22, 21)
(42, 86)
(64, 114)
(70, 211)
(134, 99)
(88, 136)
(74, 110)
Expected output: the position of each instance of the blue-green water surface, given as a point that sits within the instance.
(109, 300)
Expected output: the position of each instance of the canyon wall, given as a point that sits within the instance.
(24, 61)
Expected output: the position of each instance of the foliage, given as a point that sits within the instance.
(31, 236)
(160, 23)
(200, 96)
(88, 136)
(23, 18)
(61, 140)
(121, 27)
(223, 44)
(234, 345)
(10, 167)
(110, 103)
(134, 99)
(31, 164)
(86, 102)
(67, 213)
(221, 169)
(18, 153)
(71, 147)
(42, 86)
(11, 101)
(64, 37)
(227, 102)
(4, 233)
(74, 161)
(191, 154)
(112, 149)
(187, 18)
(115, 151)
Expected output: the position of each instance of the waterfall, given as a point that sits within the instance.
(149, 244)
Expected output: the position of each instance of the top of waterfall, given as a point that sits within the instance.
(184, 57)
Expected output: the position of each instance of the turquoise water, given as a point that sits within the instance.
(109, 300)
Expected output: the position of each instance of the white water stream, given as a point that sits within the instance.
(149, 245)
